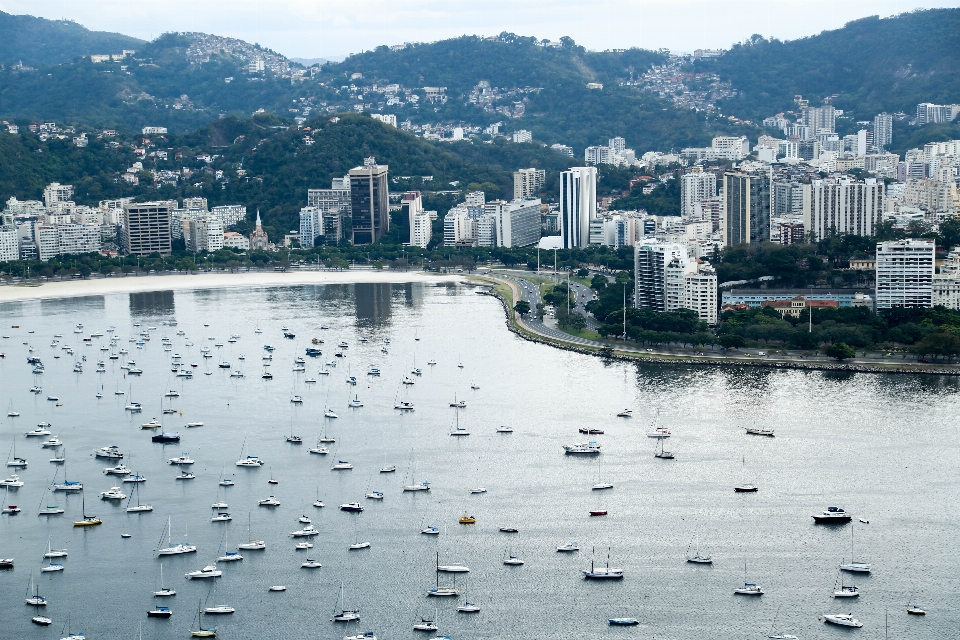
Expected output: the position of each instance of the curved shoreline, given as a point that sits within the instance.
(179, 281)
(530, 335)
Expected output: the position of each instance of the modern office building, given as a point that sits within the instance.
(905, 270)
(842, 206)
(146, 228)
(696, 186)
(369, 202)
(528, 182)
(578, 205)
(746, 208)
(650, 270)
(518, 222)
(311, 226)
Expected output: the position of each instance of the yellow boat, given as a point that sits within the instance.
(88, 522)
(467, 519)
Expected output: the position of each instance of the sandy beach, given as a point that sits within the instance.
(132, 284)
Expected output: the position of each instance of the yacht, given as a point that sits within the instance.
(13, 482)
(353, 507)
(425, 624)
(166, 437)
(11, 509)
(330, 413)
(341, 465)
(388, 469)
(513, 561)
(51, 567)
(173, 549)
(297, 399)
(358, 545)
(404, 405)
(184, 475)
(699, 559)
(194, 424)
(134, 407)
(303, 519)
(113, 493)
(833, 515)
(745, 488)
(855, 567)
(423, 486)
(659, 432)
(159, 612)
(173, 393)
(626, 413)
(352, 380)
(509, 530)
(430, 530)
(459, 404)
(303, 546)
(842, 619)
(503, 429)
(602, 573)
(39, 431)
(310, 564)
(591, 448)
(760, 432)
(209, 571)
(230, 556)
(374, 495)
(218, 609)
(111, 453)
(623, 622)
(570, 546)
(250, 461)
(373, 371)
(306, 532)
(119, 470)
(133, 477)
(319, 450)
(223, 516)
(847, 591)
(453, 568)
(50, 510)
(468, 607)
(270, 501)
(181, 459)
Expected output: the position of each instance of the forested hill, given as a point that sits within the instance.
(38, 41)
(874, 64)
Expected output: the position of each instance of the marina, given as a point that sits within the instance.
(537, 498)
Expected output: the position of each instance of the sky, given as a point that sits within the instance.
(324, 28)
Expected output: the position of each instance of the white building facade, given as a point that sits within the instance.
(905, 270)
(578, 205)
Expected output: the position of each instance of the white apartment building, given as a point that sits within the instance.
(905, 270)
(522, 136)
(234, 240)
(882, 130)
(842, 206)
(204, 234)
(421, 229)
(154, 131)
(517, 222)
(228, 214)
(528, 182)
(78, 238)
(334, 204)
(700, 293)
(696, 186)
(731, 148)
(9, 244)
(668, 280)
(386, 119)
(311, 226)
(650, 267)
(56, 193)
(578, 205)
(598, 155)
(458, 227)
(946, 283)
(48, 241)
(487, 235)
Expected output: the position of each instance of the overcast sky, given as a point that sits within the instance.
(322, 28)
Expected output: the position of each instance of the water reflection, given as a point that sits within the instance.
(71, 305)
(152, 303)
(373, 304)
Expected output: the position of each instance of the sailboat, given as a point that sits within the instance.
(696, 558)
(844, 590)
(427, 624)
(458, 430)
(164, 591)
(14, 461)
(140, 508)
(662, 453)
(219, 609)
(251, 544)
(200, 631)
(601, 485)
(344, 615)
(602, 573)
(173, 549)
(853, 566)
(745, 487)
(749, 588)
(35, 599)
(228, 556)
(442, 592)
(87, 521)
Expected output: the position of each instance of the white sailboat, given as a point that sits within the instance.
(340, 614)
(853, 566)
(164, 592)
(251, 544)
(601, 485)
(173, 549)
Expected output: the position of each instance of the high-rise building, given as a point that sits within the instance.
(311, 226)
(146, 228)
(55, 193)
(334, 205)
(882, 130)
(459, 228)
(696, 186)
(518, 222)
(746, 208)
(9, 244)
(905, 270)
(820, 118)
(700, 293)
(418, 220)
(618, 144)
(650, 270)
(842, 206)
(528, 182)
(598, 155)
(369, 200)
(730, 147)
(578, 205)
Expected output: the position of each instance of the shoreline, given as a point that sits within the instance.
(523, 331)
(218, 280)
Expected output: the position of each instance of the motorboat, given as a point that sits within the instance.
(623, 622)
(914, 610)
(373, 371)
(833, 515)
(341, 465)
(745, 488)
(460, 431)
(430, 530)
(209, 571)
(423, 486)
(353, 507)
(478, 490)
(270, 501)
(218, 610)
(194, 424)
(467, 519)
(166, 437)
(846, 591)
(13, 482)
(855, 567)
(297, 399)
(185, 475)
(39, 431)
(307, 532)
(626, 413)
(374, 495)
(468, 607)
(509, 530)
(513, 561)
(388, 469)
(159, 612)
(358, 545)
(111, 453)
(310, 564)
(598, 512)
(277, 587)
(223, 516)
(181, 460)
(11, 509)
(322, 451)
(453, 568)
(570, 546)
(403, 405)
(294, 439)
(504, 429)
(173, 393)
(303, 546)
(842, 619)
(760, 432)
(459, 404)
(591, 448)
(600, 486)
(133, 477)
(153, 424)
(113, 493)
(591, 432)
(303, 519)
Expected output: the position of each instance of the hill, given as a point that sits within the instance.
(40, 42)
(872, 65)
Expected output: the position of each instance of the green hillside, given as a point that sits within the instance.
(37, 41)
(873, 65)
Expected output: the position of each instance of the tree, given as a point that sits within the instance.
(841, 351)
(522, 307)
(582, 273)
(598, 282)
(941, 343)
(731, 341)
